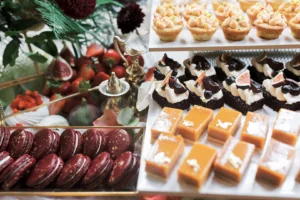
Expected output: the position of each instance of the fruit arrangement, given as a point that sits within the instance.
(68, 75)
(28, 100)
(72, 160)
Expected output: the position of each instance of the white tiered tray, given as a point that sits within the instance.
(215, 187)
(185, 41)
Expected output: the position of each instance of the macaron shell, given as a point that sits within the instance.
(45, 171)
(94, 142)
(55, 142)
(119, 141)
(5, 160)
(20, 143)
(4, 138)
(130, 175)
(13, 173)
(99, 166)
(121, 166)
(68, 144)
(43, 143)
(73, 170)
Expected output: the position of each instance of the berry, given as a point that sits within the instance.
(120, 71)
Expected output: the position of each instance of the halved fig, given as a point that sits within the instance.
(67, 54)
(60, 70)
(210, 85)
(243, 81)
(278, 80)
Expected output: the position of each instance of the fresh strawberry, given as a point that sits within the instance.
(99, 78)
(119, 70)
(87, 73)
(55, 108)
(141, 60)
(94, 50)
(150, 74)
(63, 88)
(47, 89)
(71, 103)
(80, 85)
(82, 62)
(99, 67)
(111, 58)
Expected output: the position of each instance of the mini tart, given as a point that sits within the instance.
(167, 28)
(254, 10)
(280, 92)
(201, 2)
(292, 70)
(193, 10)
(275, 3)
(294, 24)
(226, 10)
(290, 9)
(269, 25)
(203, 27)
(246, 4)
(167, 10)
(217, 3)
(264, 67)
(236, 28)
(197, 65)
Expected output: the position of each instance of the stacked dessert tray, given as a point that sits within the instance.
(221, 186)
(185, 41)
(21, 188)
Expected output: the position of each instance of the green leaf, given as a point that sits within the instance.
(23, 24)
(133, 122)
(11, 53)
(37, 57)
(102, 2)
(13, 33)
(49, 47)
(125, 116)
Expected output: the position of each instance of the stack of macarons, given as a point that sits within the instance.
(90, 160)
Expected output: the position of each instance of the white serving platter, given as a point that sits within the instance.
(185, 41)
(215, 187)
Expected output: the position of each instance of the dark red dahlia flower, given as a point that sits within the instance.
(77, 9)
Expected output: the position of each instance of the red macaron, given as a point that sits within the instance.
(94, 142)
(100, 168)
(45, 171)
(70, 144)
(20, 143)
(5, 160)
(45, 142)
(4, 138)
(125, 168)
(15, 171)
(119, 141)
(73, 170)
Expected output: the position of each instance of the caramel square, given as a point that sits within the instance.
(234, 159)
(225, 124)
(197, 165)
(166, 122)
(286, 127)
(166, 152)
(195, 123)
(276, 163)
(255, 129)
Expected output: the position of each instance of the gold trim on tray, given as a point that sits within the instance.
(77, 193)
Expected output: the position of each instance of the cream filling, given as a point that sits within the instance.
(265, 68)
(246, 95)
(199, 91)
(276, 92)
(4, 160)
(170, 95)
(77, 172)
(166, 69)
(225, 69)
(210, 72)
(292, 69)
(76, 144)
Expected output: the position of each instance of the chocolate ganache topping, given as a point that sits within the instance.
(233, 63)
(255, 87)
(276, 66)
(296, 62)
(166, 61)
(178, 88)
(201, 63)
(210, 85)
(291, 87)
